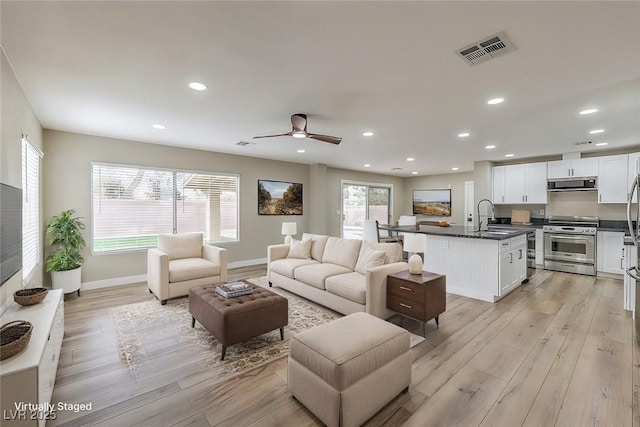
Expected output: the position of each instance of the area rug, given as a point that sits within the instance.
(149, 332)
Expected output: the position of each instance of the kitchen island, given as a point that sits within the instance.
(485, 265)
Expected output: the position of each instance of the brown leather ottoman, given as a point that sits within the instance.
(234, 320)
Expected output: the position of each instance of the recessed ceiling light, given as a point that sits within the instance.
(495, 101)
(489, 147)
(596, 131)
(367, 165)
(368, 133)
(197, 86)
(158, 126)
(589, 111)
(454, 169)
(410, 159)
(300, 151)
(601, 144)
(463, 134)
(509, 155)
(414, 173)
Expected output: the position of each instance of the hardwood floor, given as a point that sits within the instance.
(559, 350)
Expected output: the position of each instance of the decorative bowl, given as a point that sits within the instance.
(14, 337)
(30, 296)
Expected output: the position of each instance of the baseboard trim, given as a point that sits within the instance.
(127, 280)
(247, 263)
(116, 281)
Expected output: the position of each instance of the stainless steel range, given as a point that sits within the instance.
(570, 244)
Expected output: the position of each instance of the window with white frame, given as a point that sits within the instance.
(30, 208)
(131, 205)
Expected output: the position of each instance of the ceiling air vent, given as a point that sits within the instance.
(584, 143)
(245, 143)
(396, 169)
(486, 49)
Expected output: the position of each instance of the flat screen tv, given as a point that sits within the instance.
(435, 202)
(10, 231)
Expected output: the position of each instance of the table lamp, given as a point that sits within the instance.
(289, 229)
(414, 243)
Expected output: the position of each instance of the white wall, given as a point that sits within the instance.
(16, 118)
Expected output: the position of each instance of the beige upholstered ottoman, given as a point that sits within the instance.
(347, 370)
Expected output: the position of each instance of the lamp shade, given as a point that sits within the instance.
(414, 242)
(289, 228)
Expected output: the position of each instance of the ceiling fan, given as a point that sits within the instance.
(299, 130)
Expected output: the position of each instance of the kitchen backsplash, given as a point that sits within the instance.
(581, 203)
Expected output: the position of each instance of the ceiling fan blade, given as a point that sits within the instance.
(325, 138)
(299, 122)
(273, 136)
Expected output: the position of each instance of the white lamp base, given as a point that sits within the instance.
(287, 239)
(415, 264)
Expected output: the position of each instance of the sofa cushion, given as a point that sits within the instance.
(191, 268)
(300, 249)
(342, 252)
(179, 246)
(287, 266)
(393, 251)
(319, 241)
(369, 259)
(316, 274)
(352, 286)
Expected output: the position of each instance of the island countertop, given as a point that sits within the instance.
(458, 231)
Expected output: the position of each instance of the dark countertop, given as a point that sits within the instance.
(459, 231)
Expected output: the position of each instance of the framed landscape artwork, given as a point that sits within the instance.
(432, 202)
(279, 198)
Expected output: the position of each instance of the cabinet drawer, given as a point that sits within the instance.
(407, 307)
(404, 289)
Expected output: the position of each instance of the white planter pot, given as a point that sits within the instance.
(68, 281)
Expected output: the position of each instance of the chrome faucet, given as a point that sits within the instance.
(493, 215)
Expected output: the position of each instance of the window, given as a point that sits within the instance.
(30, 209)
(132, 205)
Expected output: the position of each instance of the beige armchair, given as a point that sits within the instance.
(182, 261)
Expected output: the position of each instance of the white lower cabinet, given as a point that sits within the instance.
(610, 252)
(29, 376)
(478, 268)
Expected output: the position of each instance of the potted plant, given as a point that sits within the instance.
(66, 260)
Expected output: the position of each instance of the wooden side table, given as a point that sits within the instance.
(420, 296)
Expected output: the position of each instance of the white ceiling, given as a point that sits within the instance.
(115, 68)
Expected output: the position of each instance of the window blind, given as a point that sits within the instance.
(30, 208)
(132, 205)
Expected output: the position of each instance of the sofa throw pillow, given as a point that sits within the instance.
(300, 249)
(369, 259)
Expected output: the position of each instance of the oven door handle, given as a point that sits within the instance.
(630, 274)
(576, 237)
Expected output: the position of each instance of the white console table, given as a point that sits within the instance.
(29, 376)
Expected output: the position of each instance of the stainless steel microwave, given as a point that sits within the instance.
(573, 184)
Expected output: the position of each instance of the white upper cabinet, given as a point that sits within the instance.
(520, 184)
(578, 168)
(536, 183)
(634, 169)
(498, 184)
(613, 179)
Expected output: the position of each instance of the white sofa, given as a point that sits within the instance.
(341, 274)
(182, 261)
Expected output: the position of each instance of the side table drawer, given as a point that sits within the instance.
(405, 289)
(405, 306)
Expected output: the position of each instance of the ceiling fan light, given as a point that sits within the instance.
(299, 135)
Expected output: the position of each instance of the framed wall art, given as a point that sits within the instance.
(435, 202)
(279, 198)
